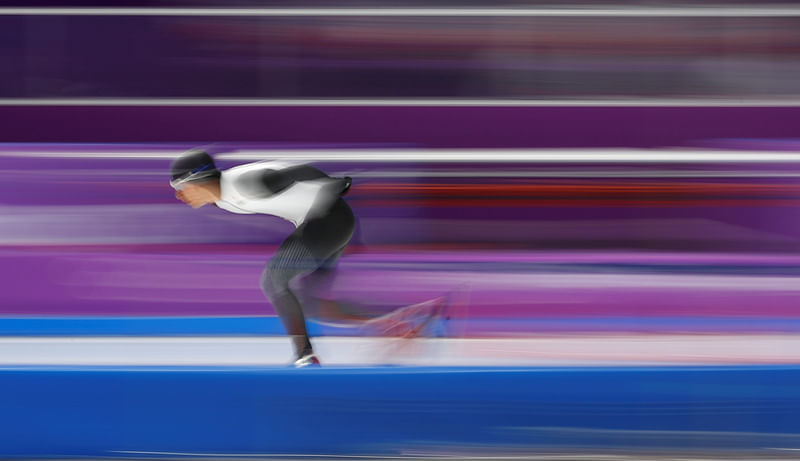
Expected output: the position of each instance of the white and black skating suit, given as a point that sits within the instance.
(312, 201)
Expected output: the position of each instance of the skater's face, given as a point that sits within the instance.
(195, 195)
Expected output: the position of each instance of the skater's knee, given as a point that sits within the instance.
(274, 282)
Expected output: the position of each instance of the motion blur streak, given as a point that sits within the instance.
(406, 102)
(724, 51)
(705, 245)
(574, 10)
(488, 156)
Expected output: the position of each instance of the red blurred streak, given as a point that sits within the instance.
(583, 189)
(496, 203)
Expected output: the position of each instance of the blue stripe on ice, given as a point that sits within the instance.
(206, 326)
(52, 412)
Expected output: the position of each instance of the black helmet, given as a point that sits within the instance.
(194, 165)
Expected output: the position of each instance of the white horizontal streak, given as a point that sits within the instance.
(521, 155)
(633, 156)
(562, 350)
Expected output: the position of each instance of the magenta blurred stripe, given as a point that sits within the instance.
(465, 127)
(199, 282)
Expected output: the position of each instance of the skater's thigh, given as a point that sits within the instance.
(313, 248)
(319, 283)
(292, 259)
(328, 265)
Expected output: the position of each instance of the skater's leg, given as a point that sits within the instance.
(327, 237)
(314, 292)
(291, 260)
(314, 243)
(314, 289)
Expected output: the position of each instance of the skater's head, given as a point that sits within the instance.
(195, 178)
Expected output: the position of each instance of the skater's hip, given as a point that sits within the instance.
(330, 232)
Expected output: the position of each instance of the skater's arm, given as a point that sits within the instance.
(268, 182)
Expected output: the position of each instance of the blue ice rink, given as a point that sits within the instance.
(386, 411)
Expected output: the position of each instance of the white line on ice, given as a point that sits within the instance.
(546, 350)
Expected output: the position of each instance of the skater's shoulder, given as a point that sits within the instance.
(262, 179)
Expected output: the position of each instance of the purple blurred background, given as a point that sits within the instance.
(93, 107)
(389, 56)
